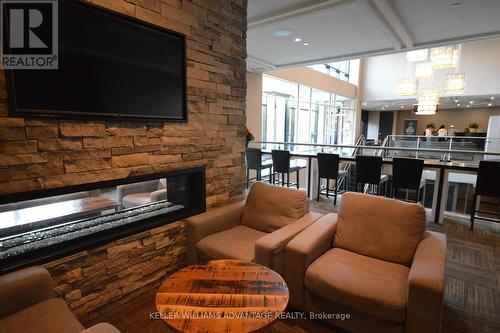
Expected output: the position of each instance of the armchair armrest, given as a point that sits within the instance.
(303, 250)
(426, 285)
(270, 249)
(200, 226)
(158, 195)
(124, 190)
(23, 288)
(102, 328)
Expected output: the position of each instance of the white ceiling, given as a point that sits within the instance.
(460, 102)
(344, 29)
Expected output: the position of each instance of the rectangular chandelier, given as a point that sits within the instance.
(455, 59)
(442, 57)
(428, 102)
(407, 87)
(454, 84)
(417, 55)
(423, 71)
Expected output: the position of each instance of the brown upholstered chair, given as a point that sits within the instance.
(27, 305)
(374, 261)
(257, 229)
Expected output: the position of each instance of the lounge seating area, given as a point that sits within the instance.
(240, 166)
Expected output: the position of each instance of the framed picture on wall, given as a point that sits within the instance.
(410, 127)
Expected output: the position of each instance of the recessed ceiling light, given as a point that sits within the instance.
(456, 5)
(458, 104)
(456, 101)
(383, 108)
(306, 44)
(402, 106)
(468, 106)
(365, 103)
(492, 98)
(387, 105)
(471, 102)
(283, 32)
(392, 103)
(489, 104)
(298, 39)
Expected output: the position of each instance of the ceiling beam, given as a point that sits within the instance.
(394, 18)
(461, 39)
(379, 20)
(326, 60)
(298, 11)
(261, 62)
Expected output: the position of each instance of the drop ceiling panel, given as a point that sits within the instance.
(438, 20)
(260, 8)
(341, 31)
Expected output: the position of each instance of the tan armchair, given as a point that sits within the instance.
(375, 262)
(27, 305)
(257, 229)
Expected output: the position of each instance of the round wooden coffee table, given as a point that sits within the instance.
(222, 296)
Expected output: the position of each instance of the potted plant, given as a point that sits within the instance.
(474, 127)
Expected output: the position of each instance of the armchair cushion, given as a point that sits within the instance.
(234, 243)
(378, 227)
(24, 288)
(270, 207)
(52, 315)
(136, 199)
(216, 220)
(374, 287)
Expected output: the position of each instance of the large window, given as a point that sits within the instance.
(292, 112)
(346, 70)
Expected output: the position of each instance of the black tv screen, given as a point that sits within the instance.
(109, 65)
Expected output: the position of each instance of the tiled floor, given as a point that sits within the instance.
(472, 294)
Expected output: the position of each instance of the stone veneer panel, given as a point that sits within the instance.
(104, 277)
(39, 153)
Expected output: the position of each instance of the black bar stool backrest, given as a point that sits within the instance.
(407, 172)
(368, 169)
(281, 161)
(328, 165)
(488, 179)
(254, 158)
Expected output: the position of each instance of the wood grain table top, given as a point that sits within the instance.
(222, 296)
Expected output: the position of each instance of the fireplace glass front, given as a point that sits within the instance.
(80, 212)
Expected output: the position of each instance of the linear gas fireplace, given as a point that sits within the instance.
(43, 225)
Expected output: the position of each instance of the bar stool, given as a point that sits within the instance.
(255, 162)
(487, 184)
(328, 168)
(282, 165)
(407, 174)
(369, 171)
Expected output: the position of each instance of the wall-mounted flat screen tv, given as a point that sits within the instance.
(110, 65)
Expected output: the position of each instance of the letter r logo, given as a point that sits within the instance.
(18, 29)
